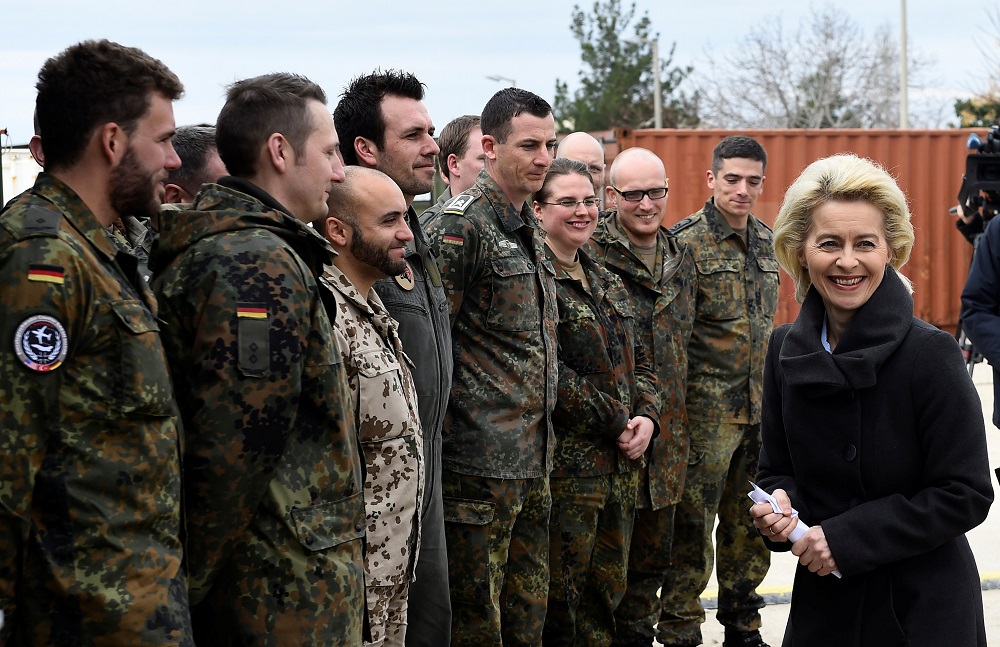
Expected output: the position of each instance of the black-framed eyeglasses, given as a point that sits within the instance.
(656, 193)
(590, 203)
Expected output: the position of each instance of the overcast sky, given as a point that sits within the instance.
(451, 45)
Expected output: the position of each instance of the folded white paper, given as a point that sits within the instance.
(758, 495)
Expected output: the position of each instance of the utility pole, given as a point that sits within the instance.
(657, 93)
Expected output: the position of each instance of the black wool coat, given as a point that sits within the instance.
(881, 443)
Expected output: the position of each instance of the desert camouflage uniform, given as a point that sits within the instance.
(737, 296)
(384, 404)
(273, 477)
(498, 437)
(416, 300)
(664, 302)
(436, 208)
(604, 381)
(90, 483)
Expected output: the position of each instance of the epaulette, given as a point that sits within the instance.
(764, 224)
(38, 221)
(683, 224)
(458, 205)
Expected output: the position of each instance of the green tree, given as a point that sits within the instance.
(616, 82)
(981, 111)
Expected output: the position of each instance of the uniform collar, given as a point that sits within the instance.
(76, 211)
(510, 217)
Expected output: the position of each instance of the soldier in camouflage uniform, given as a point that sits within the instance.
(129, 234)
(367, 228)
(200, 164)
(660, 276)
(90, 483)
(737, 294)
(384, 125)
(274, 495)
(460, 160)
(498, 436)
(607, 410)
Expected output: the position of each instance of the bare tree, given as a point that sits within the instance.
(827, 74)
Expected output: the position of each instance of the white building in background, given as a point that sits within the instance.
(18, 170)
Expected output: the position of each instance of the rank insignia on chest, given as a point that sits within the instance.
(405, 280)
(46, 274)
(41, 343)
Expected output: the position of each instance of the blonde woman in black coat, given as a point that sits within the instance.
(872, 429)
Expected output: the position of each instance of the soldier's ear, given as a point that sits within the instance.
(453, 164)
(489, 147)
(278, 152)
(112, 141)
(366, 151)
(335, 231)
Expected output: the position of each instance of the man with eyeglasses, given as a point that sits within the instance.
(737, 288)
(659, 275)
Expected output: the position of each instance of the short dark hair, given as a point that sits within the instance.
(91, 84)
(562, 166)
(507, 104)
(193, 144)
(258, 107)
(454, 140)
(359, 112)
(738, 146)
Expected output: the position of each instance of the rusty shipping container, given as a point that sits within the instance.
(927, 164)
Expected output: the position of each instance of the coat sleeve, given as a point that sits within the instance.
(954, 493)
(981, 296)
(29, 414)
(579, 402)
(775, 469)
(239, 325)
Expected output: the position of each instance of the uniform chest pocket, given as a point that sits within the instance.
(384, 410)
(721, 294)
(768, 286)
(142, 384)
(514, 301)
(583, 345)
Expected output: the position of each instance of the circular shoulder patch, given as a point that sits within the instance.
(405, 280)
(41, 343)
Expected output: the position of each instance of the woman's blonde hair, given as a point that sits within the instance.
(846, 178)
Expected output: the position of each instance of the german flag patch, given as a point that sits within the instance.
(453, 240)
(251, 311)
(47, 274)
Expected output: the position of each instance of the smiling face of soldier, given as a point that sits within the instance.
(407, 154)
(519, 164)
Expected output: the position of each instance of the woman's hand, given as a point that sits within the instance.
(814, 553)
(773, 525)
(633, 441)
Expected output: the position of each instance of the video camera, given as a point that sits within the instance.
(982, 174)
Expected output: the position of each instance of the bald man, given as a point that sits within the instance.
(658, 272)
(367, 226)
(583, 147)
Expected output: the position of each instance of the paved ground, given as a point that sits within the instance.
(778, 584)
